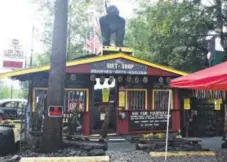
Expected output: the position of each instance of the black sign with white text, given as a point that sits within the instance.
(148, 120)
(118, 66)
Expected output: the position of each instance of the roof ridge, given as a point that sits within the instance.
(91, 60)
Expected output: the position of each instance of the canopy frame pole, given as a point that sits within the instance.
(167, 125)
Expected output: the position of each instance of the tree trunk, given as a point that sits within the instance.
(52, 127)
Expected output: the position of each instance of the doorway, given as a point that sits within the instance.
(97, 113)
(203, 120)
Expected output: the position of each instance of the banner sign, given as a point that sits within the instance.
(118, 66)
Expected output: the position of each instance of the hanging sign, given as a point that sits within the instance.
(187, 104)
(121, 102)
(55, 111)
(105, 95)
(118, 66)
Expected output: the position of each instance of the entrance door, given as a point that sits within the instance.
(98, 114)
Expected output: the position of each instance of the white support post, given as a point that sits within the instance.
(167, 125)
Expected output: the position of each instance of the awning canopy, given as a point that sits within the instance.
(213, 78)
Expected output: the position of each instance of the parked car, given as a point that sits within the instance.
(12, 108)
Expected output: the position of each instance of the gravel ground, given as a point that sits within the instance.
(125, 152)
(131, 156)
(139, 156)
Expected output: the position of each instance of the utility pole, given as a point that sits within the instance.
(32, 46)
(11, 89)
(29, 98)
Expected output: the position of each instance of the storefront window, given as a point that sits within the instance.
(73, 98)
(161, 99)
(136, 99)
(39, 99)
(76, 99)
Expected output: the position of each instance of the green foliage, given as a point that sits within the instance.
(167, 33)
(5, 91)
(170, 34)
(78, 26)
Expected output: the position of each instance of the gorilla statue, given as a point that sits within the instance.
(110, 24)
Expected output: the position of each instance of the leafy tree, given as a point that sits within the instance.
(79, 22)
(167, 33)
(4, 92)
(18, 92)
(171, 34)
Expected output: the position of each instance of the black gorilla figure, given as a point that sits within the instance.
(110, 24)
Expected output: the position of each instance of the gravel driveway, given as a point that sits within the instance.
(140, 156)
(125, 152)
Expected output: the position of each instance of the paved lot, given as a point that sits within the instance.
(212, 143)
(121, 146)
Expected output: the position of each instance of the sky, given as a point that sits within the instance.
(17, 20)
(18, 17)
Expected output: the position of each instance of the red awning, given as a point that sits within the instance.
(213, 78)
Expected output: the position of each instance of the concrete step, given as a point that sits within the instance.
(110, 139)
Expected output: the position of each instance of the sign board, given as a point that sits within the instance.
(121, 102)
(13, 56)
(12, 64)
(148, 120)
(118, 66)
(217, 104)
(187, 105)
(105, 95)
(55, 111)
